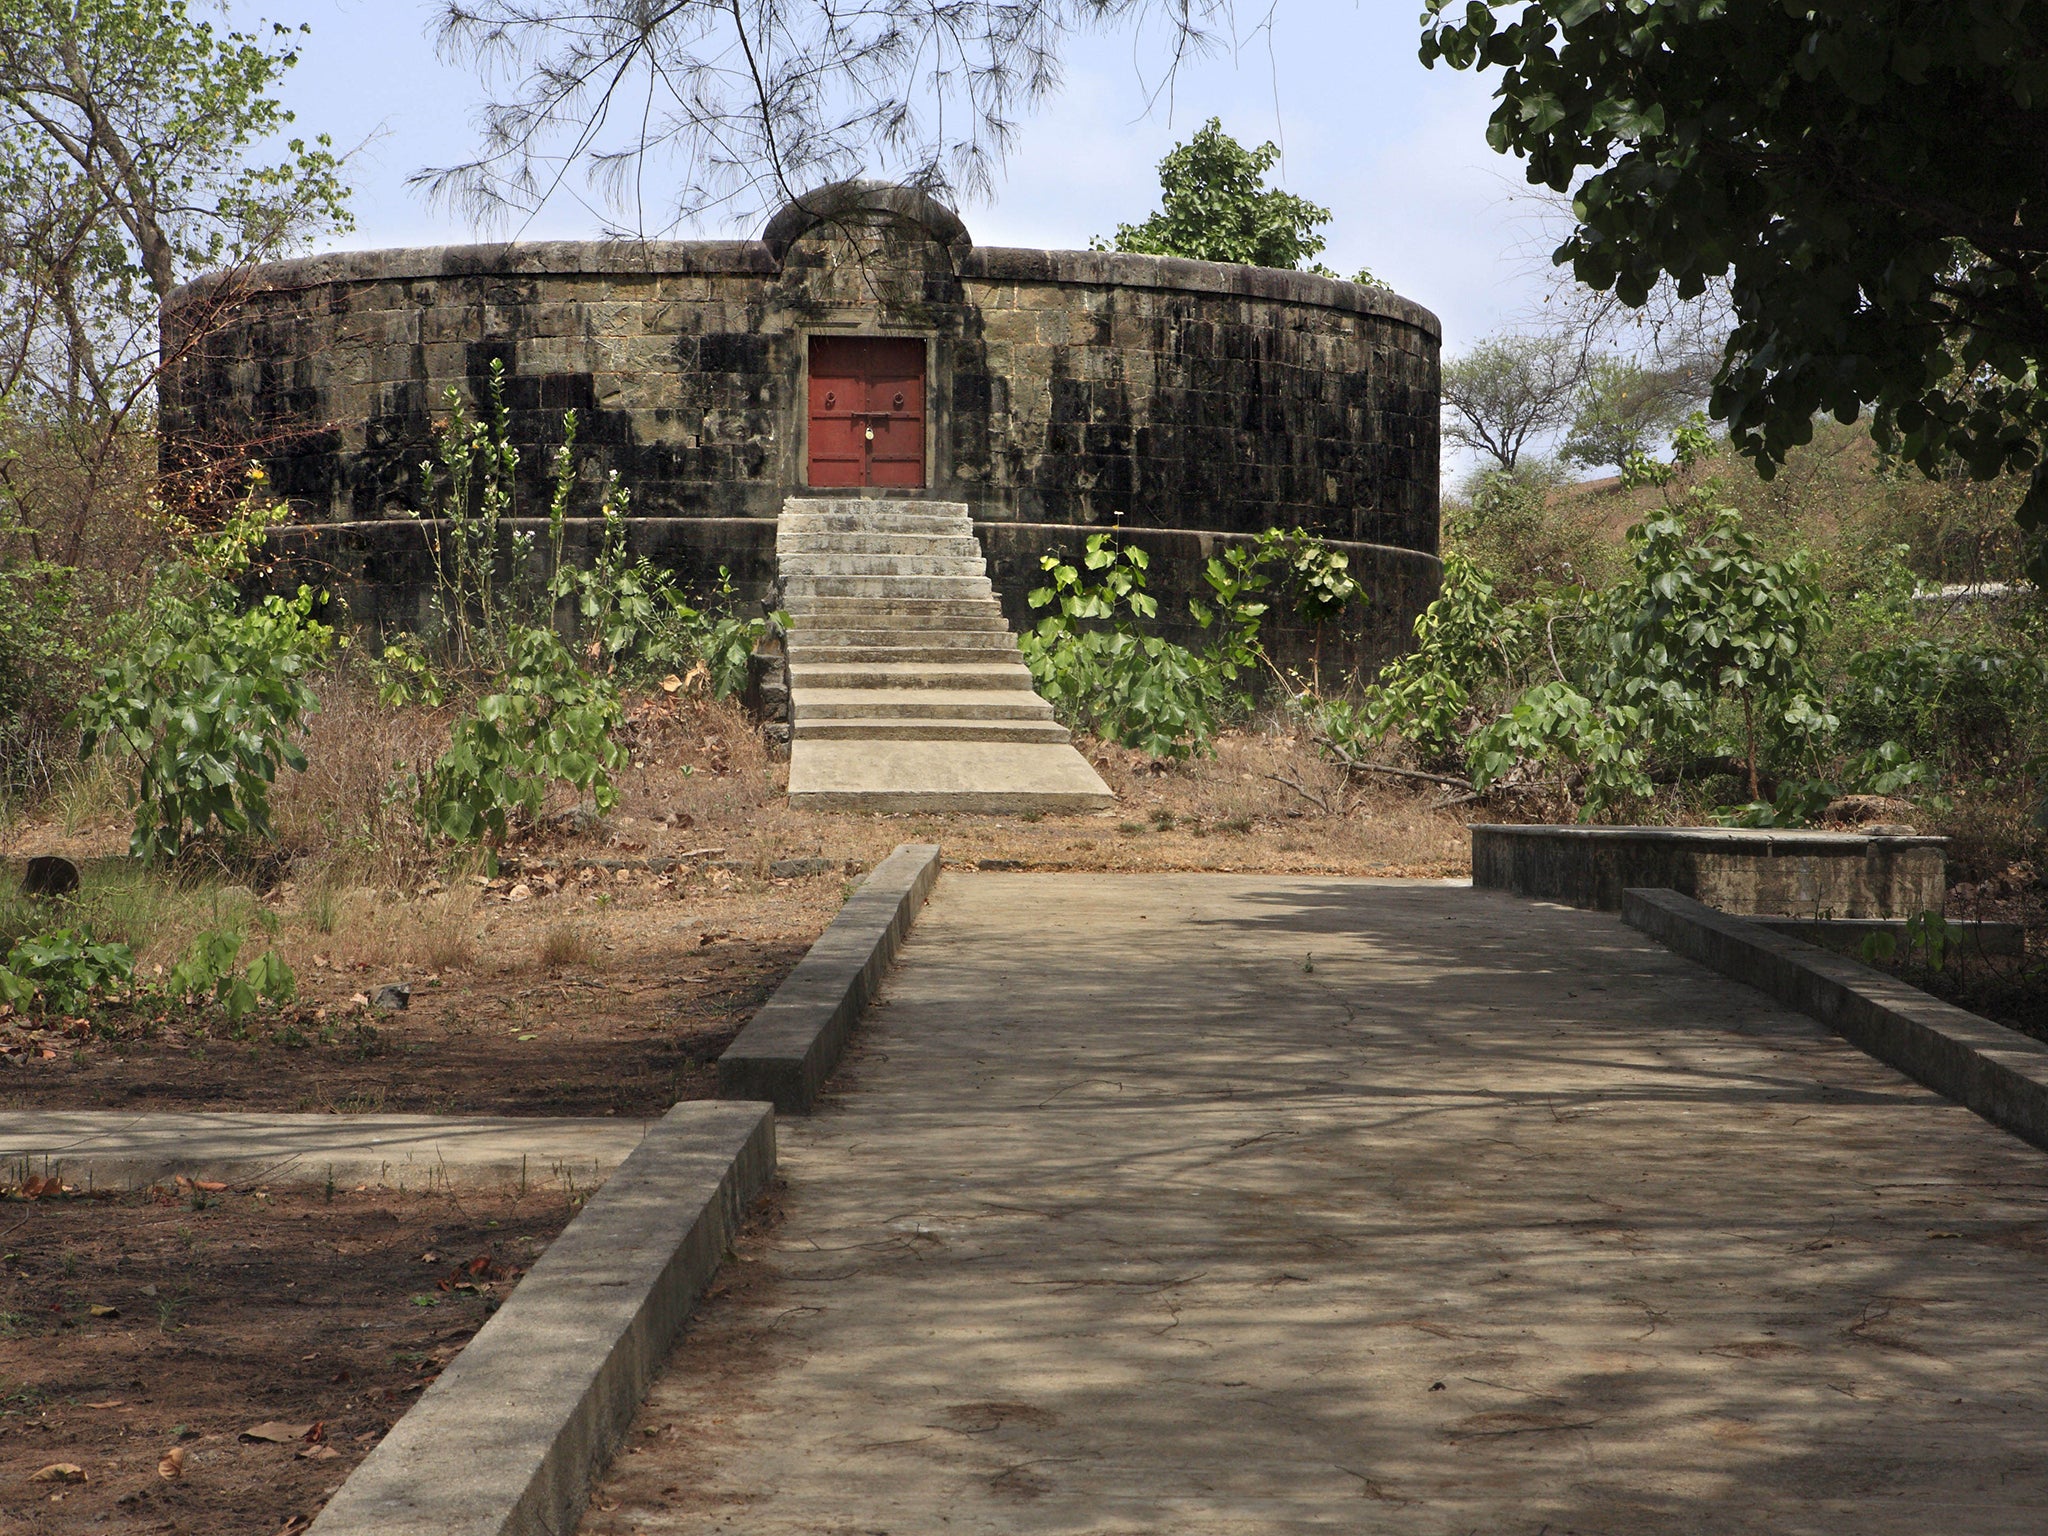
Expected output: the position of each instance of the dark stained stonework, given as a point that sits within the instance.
(1064, 386)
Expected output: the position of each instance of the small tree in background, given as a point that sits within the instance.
(1216, 206)
(1625, 410)
(1509, 391)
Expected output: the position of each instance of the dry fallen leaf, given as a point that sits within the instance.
(319, 1453)
(171, 1465)
(293, 1526)
(272, 1433)
(59, 1472)
(101, 1309)
(671, 683)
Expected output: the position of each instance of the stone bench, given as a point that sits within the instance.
(1743, 871)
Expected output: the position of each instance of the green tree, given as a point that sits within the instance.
(1622, 409)
(1215, 206)
(1510, 390)
(135, 153)
(1867, 174)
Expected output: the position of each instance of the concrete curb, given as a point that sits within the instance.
(507, 1440)
(1997, 1072)
(791, 1046)
(119, 1149)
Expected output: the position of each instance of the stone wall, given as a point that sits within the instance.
(1067, 385)
(1064, 386)
(383, 576)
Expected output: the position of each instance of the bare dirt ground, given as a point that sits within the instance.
(141, 1338)
(608, 962)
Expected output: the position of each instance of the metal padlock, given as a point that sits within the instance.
(871, 434)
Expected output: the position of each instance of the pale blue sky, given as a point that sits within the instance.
(1396, 151)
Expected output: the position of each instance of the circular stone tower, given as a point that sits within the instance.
(862, 345)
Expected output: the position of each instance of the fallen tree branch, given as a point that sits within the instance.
(1354, 765)
(1302, 790)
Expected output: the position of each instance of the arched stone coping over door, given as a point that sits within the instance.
(861, 202)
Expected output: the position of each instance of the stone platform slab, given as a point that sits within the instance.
(968, 776)
(1738, 870)
(1231, 1206)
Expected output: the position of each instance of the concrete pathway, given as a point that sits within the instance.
(1215, 1205)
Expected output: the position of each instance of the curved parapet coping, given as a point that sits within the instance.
(854, 199)
(1121, 269)
(527, 258)
(761, 258)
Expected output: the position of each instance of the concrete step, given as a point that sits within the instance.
(988, 778)
(917, 704)
(961, 546)
(822, 614)
(868, 504)
(999, 675)
(883, 518)
(894, 646)
(905, 567)
(906, 688)
(883, 728)
(886, 588)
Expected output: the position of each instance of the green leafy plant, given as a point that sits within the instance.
(207, 975)
(549, 722)
(470, 487)
(210, 704)
(1716, 617)
(402, 675)
(1700, 140)
(680, 636)
(63, 971)
(1092, 662)
(1215, 206)
(1463, 639)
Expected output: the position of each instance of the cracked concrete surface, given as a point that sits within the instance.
(1220, 1204)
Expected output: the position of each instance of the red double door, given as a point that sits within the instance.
(867, 411)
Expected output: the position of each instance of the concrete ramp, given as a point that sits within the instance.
(906, 689)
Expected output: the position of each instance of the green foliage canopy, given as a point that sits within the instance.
(1868, 173)
(1215, 206)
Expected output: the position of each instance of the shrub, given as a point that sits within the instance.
(210, 702)
(550, 721)
(63, 971)
(1139, 690)
(46, 658)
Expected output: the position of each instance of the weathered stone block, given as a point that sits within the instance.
(1745, 872)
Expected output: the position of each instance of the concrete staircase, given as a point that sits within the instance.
(906, 690)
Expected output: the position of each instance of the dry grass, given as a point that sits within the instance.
(350, 812)
(1266, 801)
(566, 944)
(362, 927)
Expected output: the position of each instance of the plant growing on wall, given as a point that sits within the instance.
(1215, 206)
